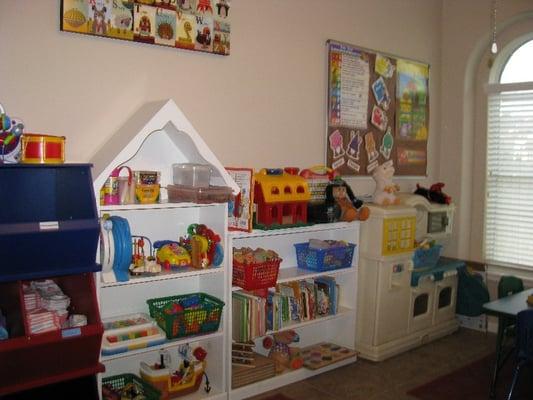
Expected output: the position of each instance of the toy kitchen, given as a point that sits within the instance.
(406, 291)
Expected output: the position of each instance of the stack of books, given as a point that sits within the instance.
(303, 300)
(289, 304)
(248, 316)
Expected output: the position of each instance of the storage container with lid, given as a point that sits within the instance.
(190, 174)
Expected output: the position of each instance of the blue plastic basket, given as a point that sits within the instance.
(324, 259)
(427, 258)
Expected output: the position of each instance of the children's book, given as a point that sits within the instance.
(330, 287)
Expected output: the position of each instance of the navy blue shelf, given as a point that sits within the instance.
(48, 221)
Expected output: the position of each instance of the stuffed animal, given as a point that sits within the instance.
(434, 193)
(339, 192)
(283, 355)
(385, 193)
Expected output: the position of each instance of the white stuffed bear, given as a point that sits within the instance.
(384, 194)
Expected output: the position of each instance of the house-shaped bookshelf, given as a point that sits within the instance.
(155, 137)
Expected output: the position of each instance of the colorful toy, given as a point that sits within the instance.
(140, 263)
(318, 178)
(339, 192)
(434, 193)
(42, 149)
(205, 246)
(384, 193)
(323, 354)
(130, 332)
(180, 377)
(281, 198)
(280, 351)
(11, 130)
(172, 255)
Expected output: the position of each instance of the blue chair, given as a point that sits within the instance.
(505, 340)
(524, 345)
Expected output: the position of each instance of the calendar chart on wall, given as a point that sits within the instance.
(378, 111)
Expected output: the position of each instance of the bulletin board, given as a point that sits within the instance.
(378, 111)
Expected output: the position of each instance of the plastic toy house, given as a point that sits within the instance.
(49, 230)
(281, 198)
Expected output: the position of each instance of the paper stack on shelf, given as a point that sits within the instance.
(46, 306)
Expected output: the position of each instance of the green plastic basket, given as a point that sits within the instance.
(200, 313)
(119, 381)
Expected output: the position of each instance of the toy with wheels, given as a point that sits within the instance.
(171, 255)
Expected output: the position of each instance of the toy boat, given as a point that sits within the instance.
(174, 384)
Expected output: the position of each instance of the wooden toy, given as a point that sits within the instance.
(242, 354)
(264, 368)
(281, 198)
(323, 354)
(283, 355)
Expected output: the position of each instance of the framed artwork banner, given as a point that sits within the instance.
(198, 25)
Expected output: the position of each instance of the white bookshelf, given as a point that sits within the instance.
(338, 328)
(157, 136)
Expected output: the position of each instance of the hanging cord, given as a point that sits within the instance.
(207, 387)
(494, 46)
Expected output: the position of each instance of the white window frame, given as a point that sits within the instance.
(495, 88)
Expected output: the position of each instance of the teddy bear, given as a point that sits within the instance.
(283, 355)
(385, 192)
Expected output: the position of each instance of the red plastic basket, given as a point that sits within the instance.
(256, 275)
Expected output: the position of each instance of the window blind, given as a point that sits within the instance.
(509, 184)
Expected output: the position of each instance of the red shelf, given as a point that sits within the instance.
(37, 382)
(29, 361)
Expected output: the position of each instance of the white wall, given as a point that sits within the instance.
(466, 37)
(263, 106)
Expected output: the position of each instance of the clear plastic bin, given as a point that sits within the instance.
(211, 194)
(188, 174)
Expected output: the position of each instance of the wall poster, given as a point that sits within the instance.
(199, 25)
(378, 110)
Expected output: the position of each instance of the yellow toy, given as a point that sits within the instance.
(281, 197)
(185, 379)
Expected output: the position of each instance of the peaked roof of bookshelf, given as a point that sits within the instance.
(155, 137)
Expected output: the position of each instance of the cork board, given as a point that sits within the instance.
(378, 111)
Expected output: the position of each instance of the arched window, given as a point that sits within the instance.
(508, 230)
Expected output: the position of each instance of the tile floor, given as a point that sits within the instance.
(392, 378)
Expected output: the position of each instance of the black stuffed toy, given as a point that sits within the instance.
(434, 193)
